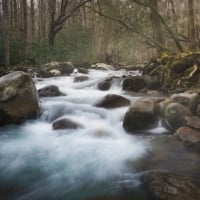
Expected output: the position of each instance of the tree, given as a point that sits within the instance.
(56, 23)
(6, 31)
(191, 25)
(32, 19)
(156, 25)
(24, 29)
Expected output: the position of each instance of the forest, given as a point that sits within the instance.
(88, 31)
(99, 99)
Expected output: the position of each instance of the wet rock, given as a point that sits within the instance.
(55, 72)
(143, 114)
(189, 100)
(166, 186)
(105, 85)
(18, 98)
(65, 123)
(188, 135)
(102, 66)
(174, 115)
(50, 91)
(134, 83)
(113, 101)
(152, 82)
(193, 122)
(80, 78)
(198, 110)
(83, 70)
(58, 68)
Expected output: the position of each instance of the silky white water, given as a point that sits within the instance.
(37, 162)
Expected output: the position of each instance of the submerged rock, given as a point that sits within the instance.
(50, 91)
(134, 83)
(143, 114)
(113, 101)
(174, 115)
(65, 123)
(18, 98)
(163, 185)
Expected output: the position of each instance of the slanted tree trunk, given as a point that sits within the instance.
(6, 31)
(156, 25)
(191, 25)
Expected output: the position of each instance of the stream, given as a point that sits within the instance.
(98, 159)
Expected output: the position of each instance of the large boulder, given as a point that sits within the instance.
(134, 83)
(18, 98)
(141, 115)
(113, 101)
(174, 115)
(50, 91)
(163, 185)
(189, 100)
(65, 123)
(188, 135)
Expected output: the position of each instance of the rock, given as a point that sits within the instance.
(55, 68)
(80, 78)
(193, 122)
(198, 110)
(189, 100)
(83, 70)
(105, 85)
(65, 123)
(50, 91)
(113, 101)
(166, 186)
(180, 64)
(18, 98)
(188, 135)
(152, 82)
(143, 114)
(102, 66)
(174, 115)
(134, 83)
(55, 72)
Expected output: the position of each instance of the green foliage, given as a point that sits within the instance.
(72, 44)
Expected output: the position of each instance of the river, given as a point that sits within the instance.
(100, 158)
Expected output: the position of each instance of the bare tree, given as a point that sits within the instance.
(67, 9)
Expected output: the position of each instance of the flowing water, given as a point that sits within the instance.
(100, 158)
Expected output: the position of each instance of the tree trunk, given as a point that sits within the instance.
(32, 19)
(6, 31)
(191, 26)
(24, 30)
(156, 25)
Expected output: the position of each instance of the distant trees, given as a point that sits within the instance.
(114, 31)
